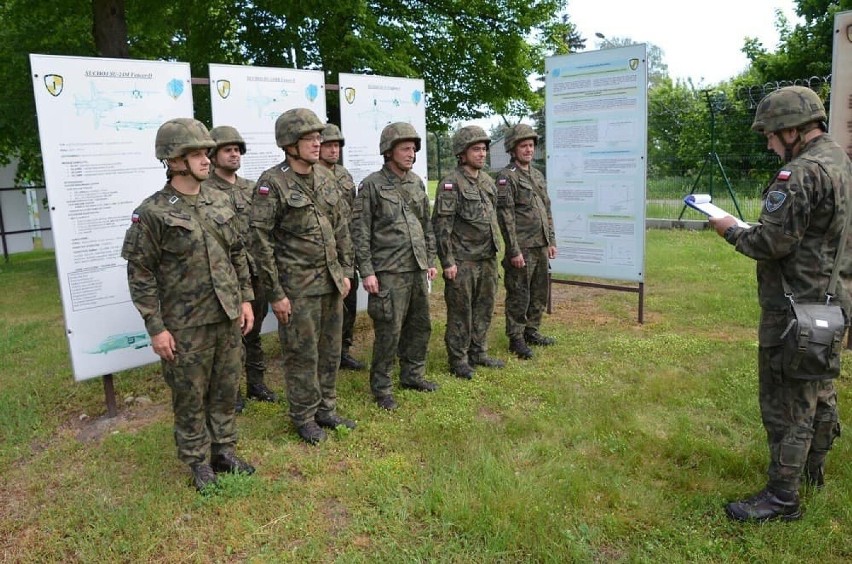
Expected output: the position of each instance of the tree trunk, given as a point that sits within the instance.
(109, 28)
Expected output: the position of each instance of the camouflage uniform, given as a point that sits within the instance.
(523, 211)
(188, 274)
(240, 194)
(805, 208)
(304, 252)
(394, 241)
(467, 236)
(350, 303)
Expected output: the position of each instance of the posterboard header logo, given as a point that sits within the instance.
(634, 64)
(54, 84)
(349, 94)
(223, 87)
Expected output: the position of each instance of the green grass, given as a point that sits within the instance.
(620, 443)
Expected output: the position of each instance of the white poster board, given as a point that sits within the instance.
(596, 107)
(840, 118)
(367, 104)
(252, 98)
(98, 119)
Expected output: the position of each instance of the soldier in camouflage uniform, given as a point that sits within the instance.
(332, 143)
(806, 206)
(523, 210)
(226, 157)
(395, 251)
(304, 255)
(467, 238)
(189, 278)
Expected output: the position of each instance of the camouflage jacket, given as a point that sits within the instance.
(240, 194)
(464, 218)
(805, 208)
(346, 185)
(390, 224)
(300, 238)
(523, 209)
(186, 266)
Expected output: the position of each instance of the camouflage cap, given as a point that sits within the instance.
(467, 136)
(395, 133)
(518, 133)
(293, 124)
(227, 135)
(178, 136)
(791, 106)
(332, 133)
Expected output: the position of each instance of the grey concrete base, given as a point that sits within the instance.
(690, 224)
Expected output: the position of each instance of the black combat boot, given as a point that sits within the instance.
(260, 392)
(349, 362)
(240, 404)
(421, 385)
(386, 402)
(311, 433)
(463, 370)
(230, 462)
(332, 420)
(518, 346)
(202, 475)
(487, 361)
(815, 470)
(766, 505)
(533, 337)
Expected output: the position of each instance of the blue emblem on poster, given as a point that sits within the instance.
(311, 92)
(416, 96)
(175, 88)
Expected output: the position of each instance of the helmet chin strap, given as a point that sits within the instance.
(789, 147)
(185, 172)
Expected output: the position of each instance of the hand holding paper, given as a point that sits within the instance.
(702, 203)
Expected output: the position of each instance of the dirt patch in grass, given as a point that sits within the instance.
(129, 420)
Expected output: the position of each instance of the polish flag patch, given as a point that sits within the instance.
(784, 175)
(263, 190)
(502, 182)
(448, 186)
(134, 218)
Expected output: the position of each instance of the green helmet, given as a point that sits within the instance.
(178, 136)
(467, 136)
(791, 106)
(518, 133)
(227, 135)
(332, 133)
(295, 123)
(395, 133)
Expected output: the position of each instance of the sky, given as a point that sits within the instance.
(701, 40)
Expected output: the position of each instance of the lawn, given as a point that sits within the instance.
(621, 443)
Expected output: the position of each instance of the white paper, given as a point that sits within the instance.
(702, 203)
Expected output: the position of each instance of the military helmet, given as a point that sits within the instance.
(467, 136)
(791, 106)
(227, 135)
(295, 123)
(518, 133)
(332, 133)
(178, 136)
(395, 133)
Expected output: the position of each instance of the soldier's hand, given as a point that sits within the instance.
(518, 261)
(246, 318)
(281, 309)
(347, 287)
(721, 224)
(371, 284)
(551, 252)
(450, 272)
(431, 273)
(164, 345)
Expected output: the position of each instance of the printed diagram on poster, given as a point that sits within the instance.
(251, 99)
(97, 120)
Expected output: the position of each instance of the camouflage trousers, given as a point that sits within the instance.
(470, 305)
(526, 291)
(800, 418)
(203, 378)
(310, 346)
(255, 359)
(401, 323)
(350, 311)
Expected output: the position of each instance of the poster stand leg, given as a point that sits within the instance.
(109, 396)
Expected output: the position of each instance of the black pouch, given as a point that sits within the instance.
(813, 341)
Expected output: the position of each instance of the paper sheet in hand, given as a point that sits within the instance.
(702, 203)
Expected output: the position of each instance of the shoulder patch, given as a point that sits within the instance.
(502, 181)
(774, 200)
(134, 218)
(263, 190)
(448, 186)
(784, 175)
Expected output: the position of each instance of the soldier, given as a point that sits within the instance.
(226, 157)
(304, 256)
(332, 142)
(189, 278)
(395, 250)
(806, 207)
(467, 237)
(523, 210)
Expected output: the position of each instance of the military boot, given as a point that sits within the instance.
(332, 420)
(311, 433)
(421, 385)
(230, 462)
(815, 470)
(487, 361)
(386, 402)
(202, 475)
(349, 362)
(260, 392)
(463, 370)
(766, 505)
(533, 337)
(240, 404)
(518, 346)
